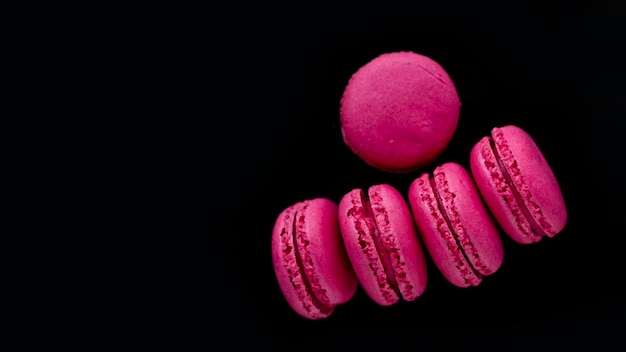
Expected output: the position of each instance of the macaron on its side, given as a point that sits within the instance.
(498, 195)
(399, 111)
(362, 242)
(518, 185)
(382, 244)
(400, 240)
(309, 261)
(532, 177)
(328, 256)
(438, 236)
(455, 226)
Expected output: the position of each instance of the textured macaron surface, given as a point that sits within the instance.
(456, 228)
(518, 185)
(399, 111)
(309, 259)
(382, 244)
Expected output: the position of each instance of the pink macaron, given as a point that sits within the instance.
(518, 185)
(382, 244)
(399, 111)
(310, 262)
(456, 228)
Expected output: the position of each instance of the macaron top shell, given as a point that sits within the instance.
(309, 258)
(518, 185)
(455, 226)
(382, 244)
(399, 111)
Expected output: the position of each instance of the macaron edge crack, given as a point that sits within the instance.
(373, 249)
(389, 240)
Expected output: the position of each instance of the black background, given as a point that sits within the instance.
(261, 131)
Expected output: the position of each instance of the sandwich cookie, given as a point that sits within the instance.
(382, 244)
(309, 259)
(518, 185)
(456, 228)
(399, 111)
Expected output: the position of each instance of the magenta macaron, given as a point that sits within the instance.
(382, 244)
(309, 259)
(518, 185)
(456, 228)
(399, 111)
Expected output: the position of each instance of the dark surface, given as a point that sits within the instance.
(274, 80)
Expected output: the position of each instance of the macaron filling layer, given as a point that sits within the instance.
(375, 232)
(373, 246)
(455, 235)
(379, 241)
(300, 265)
(535, 227)
(455, 243)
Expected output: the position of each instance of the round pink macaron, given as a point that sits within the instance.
(399, 111)
(310, 262)
(518, 185)
(456, 228)
(382, 244)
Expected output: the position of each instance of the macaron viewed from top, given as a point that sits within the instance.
(456, 228)
(382, 244)
(309, 259)
(399, 111)
(518, 185)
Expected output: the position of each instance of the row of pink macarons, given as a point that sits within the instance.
(321, 251)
